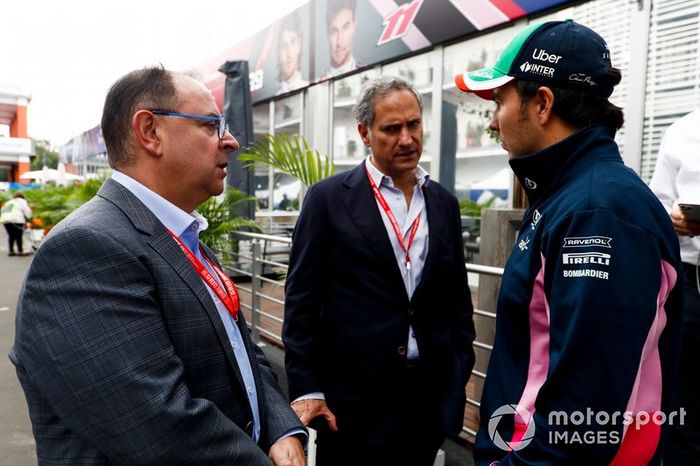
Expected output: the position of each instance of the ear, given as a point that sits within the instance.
(144, 126)
(364, 133)
(545, 105)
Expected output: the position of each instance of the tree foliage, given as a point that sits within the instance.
(44, 155)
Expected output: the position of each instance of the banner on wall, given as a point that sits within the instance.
(279, 58)
(351, 34)
(86, 145)
(327, 38)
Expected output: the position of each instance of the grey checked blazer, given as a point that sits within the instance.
(122, 354)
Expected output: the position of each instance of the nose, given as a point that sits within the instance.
(493, 124)
(229, 142)
(405, 138)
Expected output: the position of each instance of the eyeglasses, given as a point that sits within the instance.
(221, 125)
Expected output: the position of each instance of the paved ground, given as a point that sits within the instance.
(16, 441)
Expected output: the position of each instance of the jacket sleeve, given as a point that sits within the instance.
(303, 297)
(92, 337)
(603, 288)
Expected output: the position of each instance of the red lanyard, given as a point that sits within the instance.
(228, 297)
(392, 219)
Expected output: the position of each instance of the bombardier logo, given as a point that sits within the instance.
(584, 241)
(541, 70)
(579, 258)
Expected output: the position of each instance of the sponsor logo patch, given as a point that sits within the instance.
(591, 257)
(524, 244)
(585, 241)
(540, 70)
(487, 74)
(543, 55)
(535, 219)
(530, 184)
(592, 273)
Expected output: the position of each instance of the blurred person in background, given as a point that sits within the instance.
(677, 179)
(14, 216)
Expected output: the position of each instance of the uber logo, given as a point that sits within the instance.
(542, 55)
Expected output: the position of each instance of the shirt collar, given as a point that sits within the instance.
(420, 173)
(171, 216)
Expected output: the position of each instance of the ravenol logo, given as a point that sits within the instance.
(524, 431)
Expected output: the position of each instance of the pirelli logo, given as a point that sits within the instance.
(580, 258)
(587, 241)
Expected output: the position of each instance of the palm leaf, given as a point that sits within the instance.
(291, 155)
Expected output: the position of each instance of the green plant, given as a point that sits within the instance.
(291, 155)
(218, 212)
(471, 208)
(52, 203)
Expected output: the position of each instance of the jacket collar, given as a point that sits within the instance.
(542, 171)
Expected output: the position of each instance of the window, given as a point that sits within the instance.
(348, 148)
(481, 171)
(261, 126)
(286, 189)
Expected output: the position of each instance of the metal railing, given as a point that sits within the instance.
(263, 260)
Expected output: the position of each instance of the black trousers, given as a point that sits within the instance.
(14, 234)
(410, 432)
(683, 444)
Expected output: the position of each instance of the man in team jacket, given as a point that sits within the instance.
(589, 309)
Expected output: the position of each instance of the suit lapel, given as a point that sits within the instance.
(168, 249)
(362, 208)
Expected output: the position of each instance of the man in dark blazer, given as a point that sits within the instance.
(125, 354)
(378, 323)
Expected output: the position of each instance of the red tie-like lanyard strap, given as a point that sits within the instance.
(228, 297)
(392, 219)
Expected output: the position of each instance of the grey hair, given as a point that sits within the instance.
(379, 88)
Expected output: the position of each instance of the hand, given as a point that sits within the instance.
(288, 452)
(308, 410)
(683, 226)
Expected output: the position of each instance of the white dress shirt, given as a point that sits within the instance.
(677, 174)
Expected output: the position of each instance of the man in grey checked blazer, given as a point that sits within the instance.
(124, 353)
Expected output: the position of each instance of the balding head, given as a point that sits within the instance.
(152, 87)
